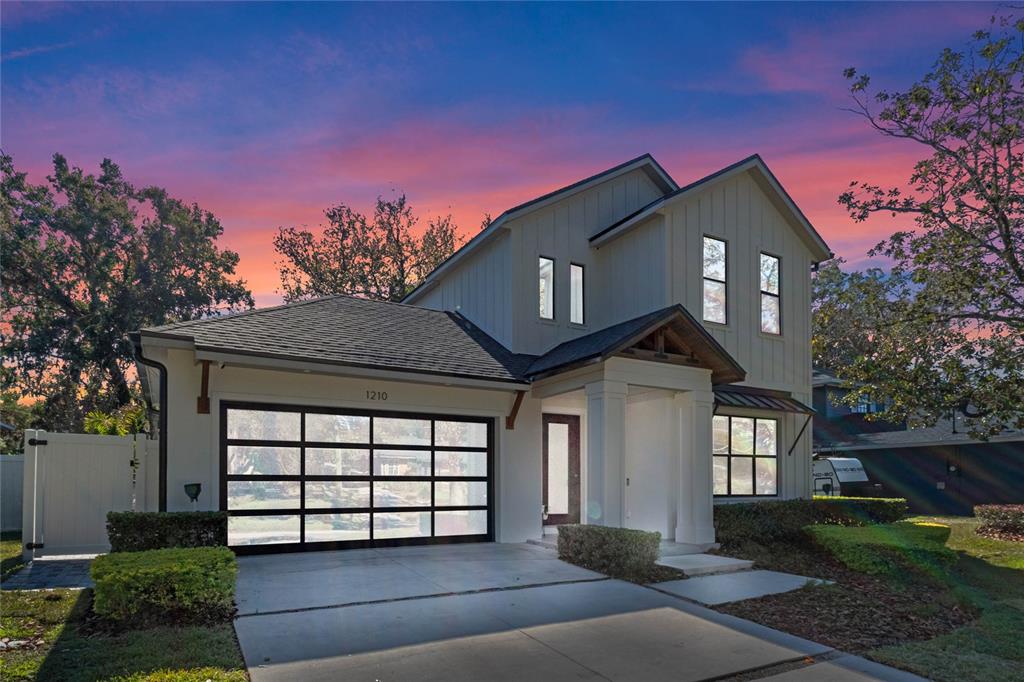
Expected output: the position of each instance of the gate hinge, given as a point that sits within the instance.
(36, 441)
(34, 545)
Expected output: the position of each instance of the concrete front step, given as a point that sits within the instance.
(704, 564)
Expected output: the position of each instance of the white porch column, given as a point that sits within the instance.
(695, 505)
(606, 452)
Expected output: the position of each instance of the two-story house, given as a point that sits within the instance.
(622, 351)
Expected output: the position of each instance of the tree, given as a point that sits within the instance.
(87, 259)
(944, 329)
(20, 416)
(381, 258)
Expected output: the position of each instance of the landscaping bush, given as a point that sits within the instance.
(165, 585)
(617, 552)
(1001, 520)
(141, 531)
(784, 520)
(892, 550)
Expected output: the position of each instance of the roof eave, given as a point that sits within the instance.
(646, 160)
(814, 241)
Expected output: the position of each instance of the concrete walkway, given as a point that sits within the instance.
(506, 612)
(729, 587)
(47, 574)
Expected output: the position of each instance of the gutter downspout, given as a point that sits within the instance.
(161, 414)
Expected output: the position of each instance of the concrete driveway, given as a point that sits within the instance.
(496, 612)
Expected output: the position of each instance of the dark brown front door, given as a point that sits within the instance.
(561, 469)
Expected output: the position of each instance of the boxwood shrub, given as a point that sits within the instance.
(191, 585)
(892, 550)
(770, 521)
(1005, 519)
(617, 552)
(140, 531)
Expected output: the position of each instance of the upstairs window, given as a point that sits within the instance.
(714, 280)
(547, 289)
(575, 293)
(771, 303)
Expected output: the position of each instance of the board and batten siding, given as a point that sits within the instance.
(739, 212)
(561, 231)
(480, 288)
(632, 275)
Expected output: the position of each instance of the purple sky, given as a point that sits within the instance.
(266, 114)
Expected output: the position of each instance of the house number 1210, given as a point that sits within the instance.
(376, 395)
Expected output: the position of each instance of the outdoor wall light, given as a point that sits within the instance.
(193, 490)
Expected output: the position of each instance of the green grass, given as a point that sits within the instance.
(895, 550)
(10, 553)
(54, 620)
(990, 576)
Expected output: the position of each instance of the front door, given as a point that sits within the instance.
(561, 469)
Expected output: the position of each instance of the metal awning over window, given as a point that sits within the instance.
(759, 400)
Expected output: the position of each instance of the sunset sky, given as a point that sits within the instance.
(266, 114)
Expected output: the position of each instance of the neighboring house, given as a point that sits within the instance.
(939, 469)
(622, 351)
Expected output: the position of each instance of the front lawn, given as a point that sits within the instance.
(927, 595)
(63, 643)
(10, 553)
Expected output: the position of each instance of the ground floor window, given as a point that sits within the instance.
(307, 475)
(745, 456)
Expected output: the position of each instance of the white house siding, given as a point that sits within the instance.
(561, 231)
(193, 446)
(632, 275)
(737, 211)
(480, 289)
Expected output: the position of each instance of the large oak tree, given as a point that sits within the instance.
(942, 330)
(381, 257)
(85, 260)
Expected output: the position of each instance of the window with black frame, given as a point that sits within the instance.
(745, 456)
(310, 475)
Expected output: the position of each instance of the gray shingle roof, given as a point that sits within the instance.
(941, 432)
(356, 332)
(610, 340)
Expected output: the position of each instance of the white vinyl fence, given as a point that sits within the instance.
(72, 480)
(12, 467)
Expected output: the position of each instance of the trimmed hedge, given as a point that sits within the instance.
(892, 550)
(141, 531)
(1005, 519)
(784, 520)
(194, 585)
(617, 552)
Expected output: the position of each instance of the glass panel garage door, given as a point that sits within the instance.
(316, 478)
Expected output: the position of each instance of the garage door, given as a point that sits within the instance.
(316, 478)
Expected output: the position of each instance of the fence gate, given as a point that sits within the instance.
(72, 480)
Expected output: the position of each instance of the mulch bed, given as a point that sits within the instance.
(993, 534)
(857, 613)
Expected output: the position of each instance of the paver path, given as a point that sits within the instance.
(44, 574)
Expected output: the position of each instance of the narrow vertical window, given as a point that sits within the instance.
(771, 308)
(575, 293)
(547, 289)
(714, 280)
